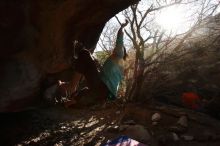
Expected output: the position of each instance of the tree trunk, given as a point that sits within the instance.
(138, 76)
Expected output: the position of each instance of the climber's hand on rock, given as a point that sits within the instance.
(124, 24)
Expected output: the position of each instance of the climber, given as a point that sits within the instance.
(101, 85)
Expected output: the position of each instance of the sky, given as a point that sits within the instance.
(176, 19)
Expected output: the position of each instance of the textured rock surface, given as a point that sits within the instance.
(19, 85)
(38, 36)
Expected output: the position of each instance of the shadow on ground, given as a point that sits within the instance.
(96, 125)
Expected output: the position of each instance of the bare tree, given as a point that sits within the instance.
(154, 47)
(107, 39)
(163, 44)
(175, 50)
(140, 22)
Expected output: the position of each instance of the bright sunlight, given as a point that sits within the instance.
(173, 19)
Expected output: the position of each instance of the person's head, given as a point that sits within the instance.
(191, 87)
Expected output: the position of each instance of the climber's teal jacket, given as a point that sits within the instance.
(112, 73)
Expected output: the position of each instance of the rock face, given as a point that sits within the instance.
(36, 39)
(19, 84)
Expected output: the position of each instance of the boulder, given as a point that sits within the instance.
(37, 36)
(137, 132)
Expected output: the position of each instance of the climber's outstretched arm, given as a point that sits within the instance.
(119, 47)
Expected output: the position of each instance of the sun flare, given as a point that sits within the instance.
(173, 19)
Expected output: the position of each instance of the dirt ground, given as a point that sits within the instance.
(96, 125)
